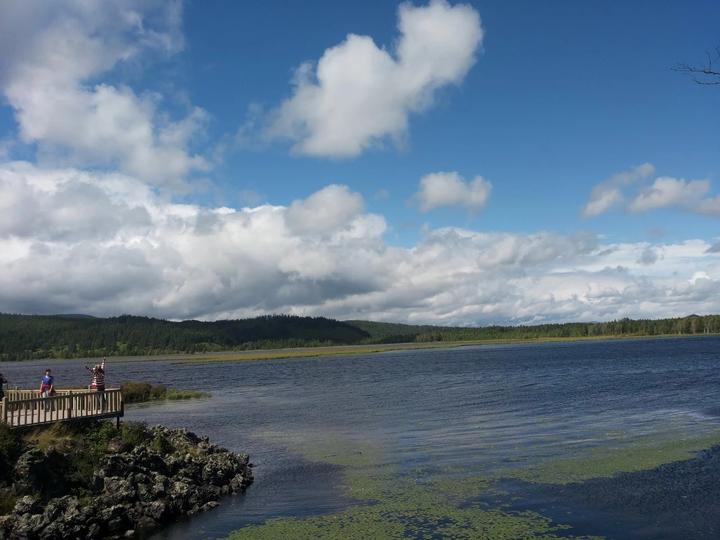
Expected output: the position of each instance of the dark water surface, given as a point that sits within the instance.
(486, 408)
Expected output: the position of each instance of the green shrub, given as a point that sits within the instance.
(134, 433)
(136, 392)
(157, 391)
(9, 451)
(7, 501)
(98, 438)
(161, 444)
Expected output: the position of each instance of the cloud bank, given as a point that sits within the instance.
(358, 94)
(135, 252)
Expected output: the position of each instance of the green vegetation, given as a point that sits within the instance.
(139, 392)
(24, 337)
(691, 325)
(9, 451)
(392, 505)
(638, 455)
(72, 452)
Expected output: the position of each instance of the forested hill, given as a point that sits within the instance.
(66, 336)
(395, 333)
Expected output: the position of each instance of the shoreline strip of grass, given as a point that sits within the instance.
(141, 392)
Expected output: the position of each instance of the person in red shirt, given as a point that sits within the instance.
(97, 382)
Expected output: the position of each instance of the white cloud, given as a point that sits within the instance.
(53, 53)
(139, 253)
(608, 193)
(324, 211)
(709, 206)
(664, 192)
(359, 94)
(667, 191)
(450, 189)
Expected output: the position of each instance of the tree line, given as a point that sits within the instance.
(25, 337)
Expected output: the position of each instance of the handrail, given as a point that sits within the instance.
(68, 405)
(14, 394)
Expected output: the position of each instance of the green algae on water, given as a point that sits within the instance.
(640, 454)
(392, 521)
(418, 504)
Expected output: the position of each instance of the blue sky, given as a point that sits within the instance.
(179, 129)
(562, 96)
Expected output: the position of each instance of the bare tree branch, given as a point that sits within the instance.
(708, 74)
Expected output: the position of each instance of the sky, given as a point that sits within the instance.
(485, 162)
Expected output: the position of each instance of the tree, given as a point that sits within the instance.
(708, 74)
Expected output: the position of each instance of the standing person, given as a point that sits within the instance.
(47, 384)
(47, 387)
(3, 380)
(97, 382)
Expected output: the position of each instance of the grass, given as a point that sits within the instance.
(141, 392)
(353, 350)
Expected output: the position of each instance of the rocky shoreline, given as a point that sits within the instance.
(143, 478)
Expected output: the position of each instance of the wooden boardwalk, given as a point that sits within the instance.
(25, 408)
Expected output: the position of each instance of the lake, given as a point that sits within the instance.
(465, 442)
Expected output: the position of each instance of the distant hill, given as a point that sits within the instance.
(68, 336)
(25, 337)
(393, 332)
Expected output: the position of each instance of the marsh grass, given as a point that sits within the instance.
(142, 392)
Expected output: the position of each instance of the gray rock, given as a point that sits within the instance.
(119, 489)
(26, 505)
(134, 491)
(209, 506)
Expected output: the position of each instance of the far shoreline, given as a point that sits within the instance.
(330, 351)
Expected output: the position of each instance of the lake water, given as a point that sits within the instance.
(479, 411)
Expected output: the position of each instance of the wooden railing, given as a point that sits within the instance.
(15, 394)
(19, 410)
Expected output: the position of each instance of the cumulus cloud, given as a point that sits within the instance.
(450, 189)
(667, 191)
(325, 210)
(664, 192)
(52, 55)
(359, 94)
(608, 193)
(140, 253)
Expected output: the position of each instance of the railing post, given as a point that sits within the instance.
(70, 405)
